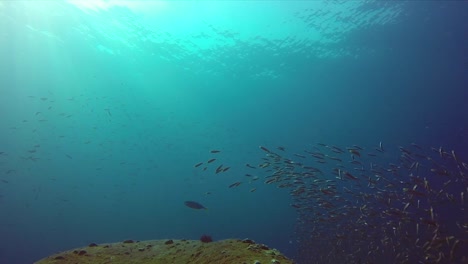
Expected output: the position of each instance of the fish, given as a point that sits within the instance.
(235, 184)
(250, 166)
(299, 155)
(211, 160)
(271, 180)
(194, 205)
(264, 149)
(349, 175)
(219, 169)
(215, 151)
(354, 152)
(406, 206)
(198, 164)
(380, 149)
(334, 158)
(454, 156)
(336, 149)
(416, 146)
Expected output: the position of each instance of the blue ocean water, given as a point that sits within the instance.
(106, 106)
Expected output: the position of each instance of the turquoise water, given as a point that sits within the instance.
(106, 106)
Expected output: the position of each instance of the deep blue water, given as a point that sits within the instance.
(105, 108)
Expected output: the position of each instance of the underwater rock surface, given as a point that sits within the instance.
(170, 251)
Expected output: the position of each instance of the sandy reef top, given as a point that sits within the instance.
(183, 251)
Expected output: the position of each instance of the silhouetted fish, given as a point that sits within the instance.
(194, 205)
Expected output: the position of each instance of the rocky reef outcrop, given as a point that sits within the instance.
(171, 251)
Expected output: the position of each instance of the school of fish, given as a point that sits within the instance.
(354, 206)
